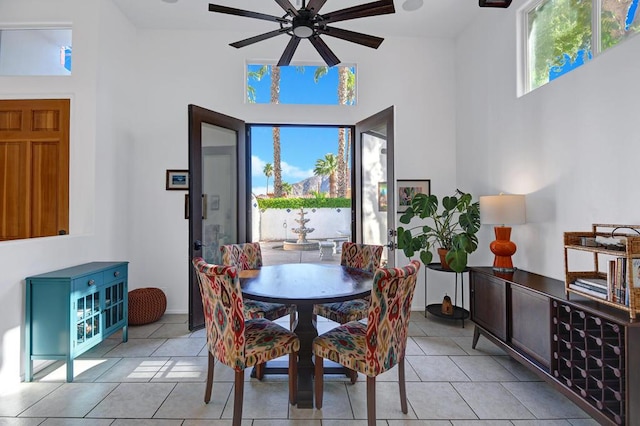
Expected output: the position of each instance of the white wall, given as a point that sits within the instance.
(99, 167)
(177, 68)
(130, 90)
(572, 145)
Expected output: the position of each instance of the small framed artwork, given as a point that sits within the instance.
(178, 180)
(382, 196)
(407, 189)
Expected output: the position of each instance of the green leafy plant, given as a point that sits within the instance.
(453, 228)
(307, 203)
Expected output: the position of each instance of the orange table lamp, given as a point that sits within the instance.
(502, 210)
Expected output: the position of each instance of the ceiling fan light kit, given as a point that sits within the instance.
(411, 5)
(307, 23)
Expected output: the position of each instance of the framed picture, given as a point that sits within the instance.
(407, 189)
(178, 180)
(382, 196)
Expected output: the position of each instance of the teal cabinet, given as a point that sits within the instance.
(73, 309)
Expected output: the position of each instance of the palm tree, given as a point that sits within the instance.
(275, 99)
(287, 189)
(268, 172)
(346, 96)
(328, 166)
(256, 75)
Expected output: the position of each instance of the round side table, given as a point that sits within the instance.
(459, 313)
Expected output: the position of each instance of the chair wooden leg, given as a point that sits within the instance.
(403, 387)
(371, 401)
(260, 371)
(352, 375)
(237, 398)
(293, 378)
(209, 385)
(319, 385)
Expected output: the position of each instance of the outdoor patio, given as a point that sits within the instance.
(274, 254)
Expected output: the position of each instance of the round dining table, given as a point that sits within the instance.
(304, 285)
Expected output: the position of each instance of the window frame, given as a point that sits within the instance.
(524, 80)
(296, 64)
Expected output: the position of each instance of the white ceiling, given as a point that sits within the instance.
(436, 18)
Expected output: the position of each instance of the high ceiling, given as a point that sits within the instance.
(436, 18)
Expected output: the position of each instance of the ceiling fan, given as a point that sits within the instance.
(307, 23)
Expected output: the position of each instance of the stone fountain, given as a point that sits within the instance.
(301, 243)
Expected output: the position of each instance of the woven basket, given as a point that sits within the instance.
(146, 305)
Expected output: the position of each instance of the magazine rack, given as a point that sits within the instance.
(627, 251)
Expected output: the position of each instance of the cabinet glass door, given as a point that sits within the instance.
(113, 305)
(88, 317)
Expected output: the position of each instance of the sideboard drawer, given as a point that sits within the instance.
(115, 274)
(88, 281)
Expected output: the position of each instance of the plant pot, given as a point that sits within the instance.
(442, 252)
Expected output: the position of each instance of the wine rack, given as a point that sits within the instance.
(589, 358)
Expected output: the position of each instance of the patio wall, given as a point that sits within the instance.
(277, 224)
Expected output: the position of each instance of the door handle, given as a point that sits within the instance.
(197, 245)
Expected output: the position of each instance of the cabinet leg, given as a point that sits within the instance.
(69, 369)
(476, 336)
(28, 370)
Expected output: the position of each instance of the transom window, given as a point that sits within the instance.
(35, 51)
(561, 35)
(308, 85)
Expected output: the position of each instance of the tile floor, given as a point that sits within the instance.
(158, 378)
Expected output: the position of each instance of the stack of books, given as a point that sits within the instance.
(596, 287)
(615, 288)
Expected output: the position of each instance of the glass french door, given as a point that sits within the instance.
(218, 195)
(374, 213)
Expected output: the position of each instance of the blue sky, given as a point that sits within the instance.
(300, 146)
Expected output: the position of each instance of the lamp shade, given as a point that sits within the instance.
(502, 209)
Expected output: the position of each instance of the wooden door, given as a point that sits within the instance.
(218, 195)
(34, 172)
(374, 189)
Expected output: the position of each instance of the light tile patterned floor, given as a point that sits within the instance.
(158, 378)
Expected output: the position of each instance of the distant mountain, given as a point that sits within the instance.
(305, 187)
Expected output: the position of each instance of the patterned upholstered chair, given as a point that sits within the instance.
(361, 256)
(377, 346)
(235, 341)
(249, 256)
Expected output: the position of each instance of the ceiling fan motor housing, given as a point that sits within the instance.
(303, 24)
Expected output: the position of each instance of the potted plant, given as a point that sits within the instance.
(453, 229)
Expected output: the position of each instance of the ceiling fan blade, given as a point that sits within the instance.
(380, 7)
(329, 57)
(288, 7)
(352, 36)
(285, 59)
(255, 39)
(245, 13)
(315, 5)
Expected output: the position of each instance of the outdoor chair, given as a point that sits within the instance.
(249, 256)
(235, 341)
(378, 345)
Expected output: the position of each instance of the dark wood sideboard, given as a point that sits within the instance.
(588, 351)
